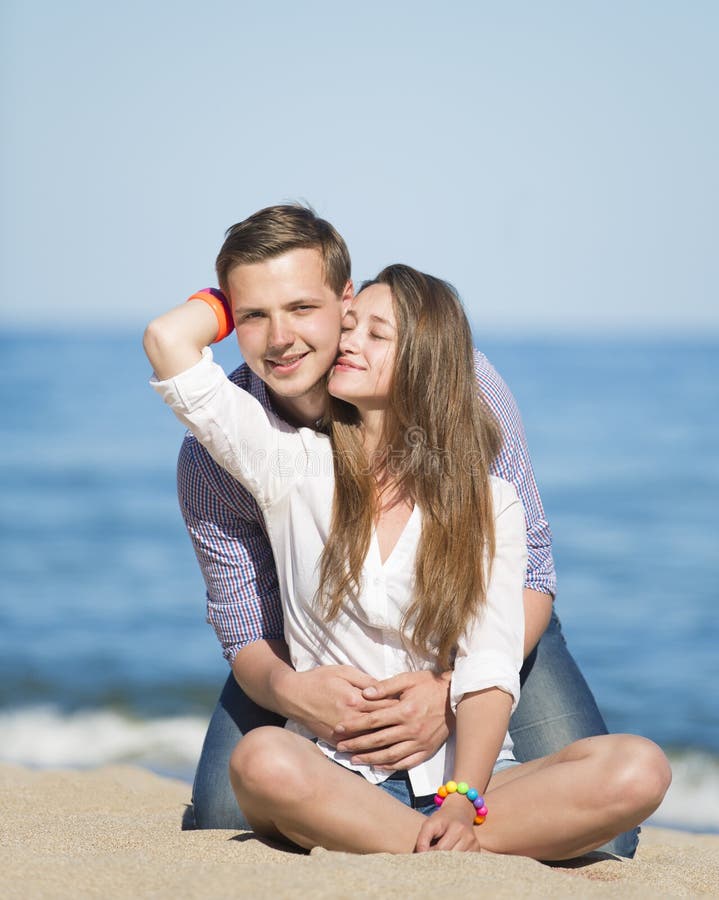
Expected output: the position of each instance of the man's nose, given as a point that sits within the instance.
(281, 334)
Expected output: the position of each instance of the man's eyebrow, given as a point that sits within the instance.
(239, 308)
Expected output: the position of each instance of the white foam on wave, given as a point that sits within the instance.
(46, 737)
(692, 801)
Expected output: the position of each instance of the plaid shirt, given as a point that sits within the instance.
(228, 531)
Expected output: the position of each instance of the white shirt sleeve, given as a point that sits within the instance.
(255, 446)
(490, 654)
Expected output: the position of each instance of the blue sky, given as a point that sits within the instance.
(556, 161)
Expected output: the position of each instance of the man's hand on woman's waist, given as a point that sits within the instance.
(397, 723)
(407, 730)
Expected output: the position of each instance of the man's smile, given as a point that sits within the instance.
(285, 365)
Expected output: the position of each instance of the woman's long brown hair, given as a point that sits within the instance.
(440, 441)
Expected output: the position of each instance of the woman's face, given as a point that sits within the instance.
(362, 373)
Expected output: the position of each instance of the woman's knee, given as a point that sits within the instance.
(266, 762)
(639, 773)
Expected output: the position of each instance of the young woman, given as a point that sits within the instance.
(395, 550)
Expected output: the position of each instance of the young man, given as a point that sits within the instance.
(286, 274)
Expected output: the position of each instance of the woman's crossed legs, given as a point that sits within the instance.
(557, 807)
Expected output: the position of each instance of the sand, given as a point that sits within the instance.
(118, 832)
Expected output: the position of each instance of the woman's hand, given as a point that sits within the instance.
(449, 828)
(173, 341)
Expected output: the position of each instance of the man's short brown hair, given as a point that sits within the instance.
(276, 230)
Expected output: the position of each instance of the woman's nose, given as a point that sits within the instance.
(347, 342)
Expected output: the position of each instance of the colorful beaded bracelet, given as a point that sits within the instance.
(217, 301)
(477, 801)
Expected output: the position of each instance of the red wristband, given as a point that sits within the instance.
(214, 298)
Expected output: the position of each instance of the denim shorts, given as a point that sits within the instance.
(398, 786)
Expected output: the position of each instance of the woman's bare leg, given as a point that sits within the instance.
(286, 787)
(573, 801)
(558, 807)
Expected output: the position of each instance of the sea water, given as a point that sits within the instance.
(104, 652)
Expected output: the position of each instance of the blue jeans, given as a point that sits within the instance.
(398, 786)
(556, 708)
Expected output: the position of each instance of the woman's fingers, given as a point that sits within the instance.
(457, 837)
(439, 833)
(431, 829)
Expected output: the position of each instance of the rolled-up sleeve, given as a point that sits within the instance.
(490, 654)
(228, 535)
(514, 464)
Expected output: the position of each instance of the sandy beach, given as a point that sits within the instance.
(118, 832)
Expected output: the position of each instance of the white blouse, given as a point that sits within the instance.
(290, 473)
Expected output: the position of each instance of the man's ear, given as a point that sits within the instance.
(347, 295)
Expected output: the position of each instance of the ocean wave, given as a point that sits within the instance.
(692, 800)
(46, 737)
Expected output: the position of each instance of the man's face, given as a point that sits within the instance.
(287, 320)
